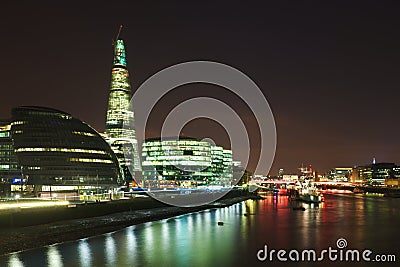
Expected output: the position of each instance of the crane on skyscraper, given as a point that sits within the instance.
(116, 39)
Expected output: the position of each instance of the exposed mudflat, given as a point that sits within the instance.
(22, 238)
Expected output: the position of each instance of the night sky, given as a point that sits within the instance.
(329, 69)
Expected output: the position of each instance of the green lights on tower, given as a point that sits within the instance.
(120, 124)
(119, 53)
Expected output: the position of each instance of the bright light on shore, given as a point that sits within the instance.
(33, 204)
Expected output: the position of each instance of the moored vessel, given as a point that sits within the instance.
(307, 193)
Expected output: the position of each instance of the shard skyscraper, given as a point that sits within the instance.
(120, 125)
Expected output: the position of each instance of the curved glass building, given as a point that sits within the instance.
(52, 147)
(187, 162)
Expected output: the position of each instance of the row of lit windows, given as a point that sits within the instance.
(179, 155)
(59, 149)
(71, 180)
(173, 153)
(47, 134)
(119, 100)
(65, 116)
(5, 134)
(176, 143)
(83, 133)
(9, 167)
(175, 148)
(8, 159)
(169, 148)
(120, 71)
(119, 83)
(71, 170)
(17, 123)
(120, 133)
(119, 76)
(4, 167)
(174, 173)
(120, 114)
(33, 168)
(177, 163)
(6, 147)
(91, 160)
(118, 96)
(178, 158)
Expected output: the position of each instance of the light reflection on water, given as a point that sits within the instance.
(15, 261)
(196, 240)
(84, 253)
(110, 249)
(54, 257)
(130, 244)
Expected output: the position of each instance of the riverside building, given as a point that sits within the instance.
(377, 174)
(187, 162)
(43, 149)
(340, 174)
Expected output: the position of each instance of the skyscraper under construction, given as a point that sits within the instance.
(120, 126)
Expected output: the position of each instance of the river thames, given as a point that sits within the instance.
(250, 228)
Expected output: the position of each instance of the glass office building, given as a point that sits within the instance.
(120, 127)
(377, 173)
(341, 174)
(45, 146)
(10, 171)
(187, 162)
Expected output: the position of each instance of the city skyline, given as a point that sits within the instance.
(331, 83)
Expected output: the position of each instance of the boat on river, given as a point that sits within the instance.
(310, 195)
(306, 193)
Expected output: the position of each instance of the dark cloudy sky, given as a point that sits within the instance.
(329, 69)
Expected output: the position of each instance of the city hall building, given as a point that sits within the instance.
(42, 147)
(187, 162)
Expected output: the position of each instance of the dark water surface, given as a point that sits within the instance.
(197, 240)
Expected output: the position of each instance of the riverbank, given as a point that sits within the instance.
(23, 238)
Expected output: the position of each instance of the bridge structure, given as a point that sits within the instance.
(270, 185)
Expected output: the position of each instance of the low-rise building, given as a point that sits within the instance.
(376, 174)
(185, 162)
(341, 174)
